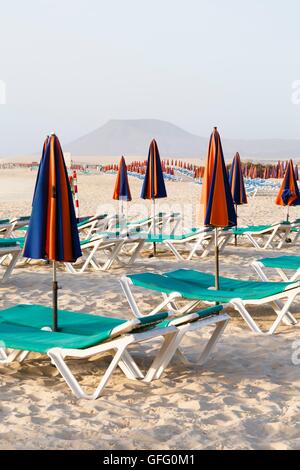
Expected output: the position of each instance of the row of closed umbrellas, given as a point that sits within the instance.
(53, 235)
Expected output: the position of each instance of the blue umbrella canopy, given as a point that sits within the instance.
(236, 181)
(122, 189)
(52, 232)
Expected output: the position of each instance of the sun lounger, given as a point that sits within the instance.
(195, 242)
(10, 250)
(25, 329)
(112, 247)
(162, 223)
(194, 287)
(265, 236)
(280, 264)
(5, 228)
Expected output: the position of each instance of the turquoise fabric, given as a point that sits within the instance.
(7, 242)
(197, 285)
(282, 262)
(20, 328)
(256, 228)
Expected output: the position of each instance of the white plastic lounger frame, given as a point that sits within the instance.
(259, 269)
(185, 323)
(112, 249)
(202, 241)
(89, 250)
(118, 347)
(12, 253)
(268, 237)
(281, 309)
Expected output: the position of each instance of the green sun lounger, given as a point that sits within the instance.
(280, 264)
(265, 236)
(195, 286)
(26, 328)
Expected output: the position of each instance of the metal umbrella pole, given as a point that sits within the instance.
(217, 269)
(54, 296)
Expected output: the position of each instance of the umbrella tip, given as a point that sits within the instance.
(215, 128)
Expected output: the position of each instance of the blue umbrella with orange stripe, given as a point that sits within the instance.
(122, 190)
(52, 234)
(216, 198)
(237, 185)
(289, 192)
(154, 184)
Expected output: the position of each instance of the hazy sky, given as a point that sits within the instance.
(71, 65)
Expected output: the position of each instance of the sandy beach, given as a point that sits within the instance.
(246, 396)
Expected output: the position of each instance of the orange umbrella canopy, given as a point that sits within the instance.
(216, 198)
(289, 193)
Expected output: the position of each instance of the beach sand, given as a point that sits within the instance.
(245, 397)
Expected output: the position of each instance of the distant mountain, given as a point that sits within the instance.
(132, 138)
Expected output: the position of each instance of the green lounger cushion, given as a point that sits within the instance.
(196, 285)
(282, 262)
(7, 242)
(160, 238)
(4, 222)
(246, 290)
(20, 328)
(256, 228)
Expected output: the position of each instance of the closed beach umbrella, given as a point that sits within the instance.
(154, 185)
(122, 190)
(237, 185)
(52, 234)
(289, 193)
(216, 198)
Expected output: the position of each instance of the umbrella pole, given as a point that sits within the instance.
(217, 273)
(287, 213)
(154, 227)
(55, 289)
(235, 236)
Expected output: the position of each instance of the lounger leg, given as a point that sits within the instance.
(130, 367)
(253, 241)
(113, 256)
(257, 268)
(66, 373)
(290, 319)
(239, 307)
(271, 238)
(282, 314)
(14, 259)
(163, 357)
(171, 346)
(174, 250)
(218, 331)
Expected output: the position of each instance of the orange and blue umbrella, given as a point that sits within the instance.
(236, 181)
(237, 185)
(289, 192)
(122, 189)
(154, 184)
(52, 234)
(216, 195)
(216, 198)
